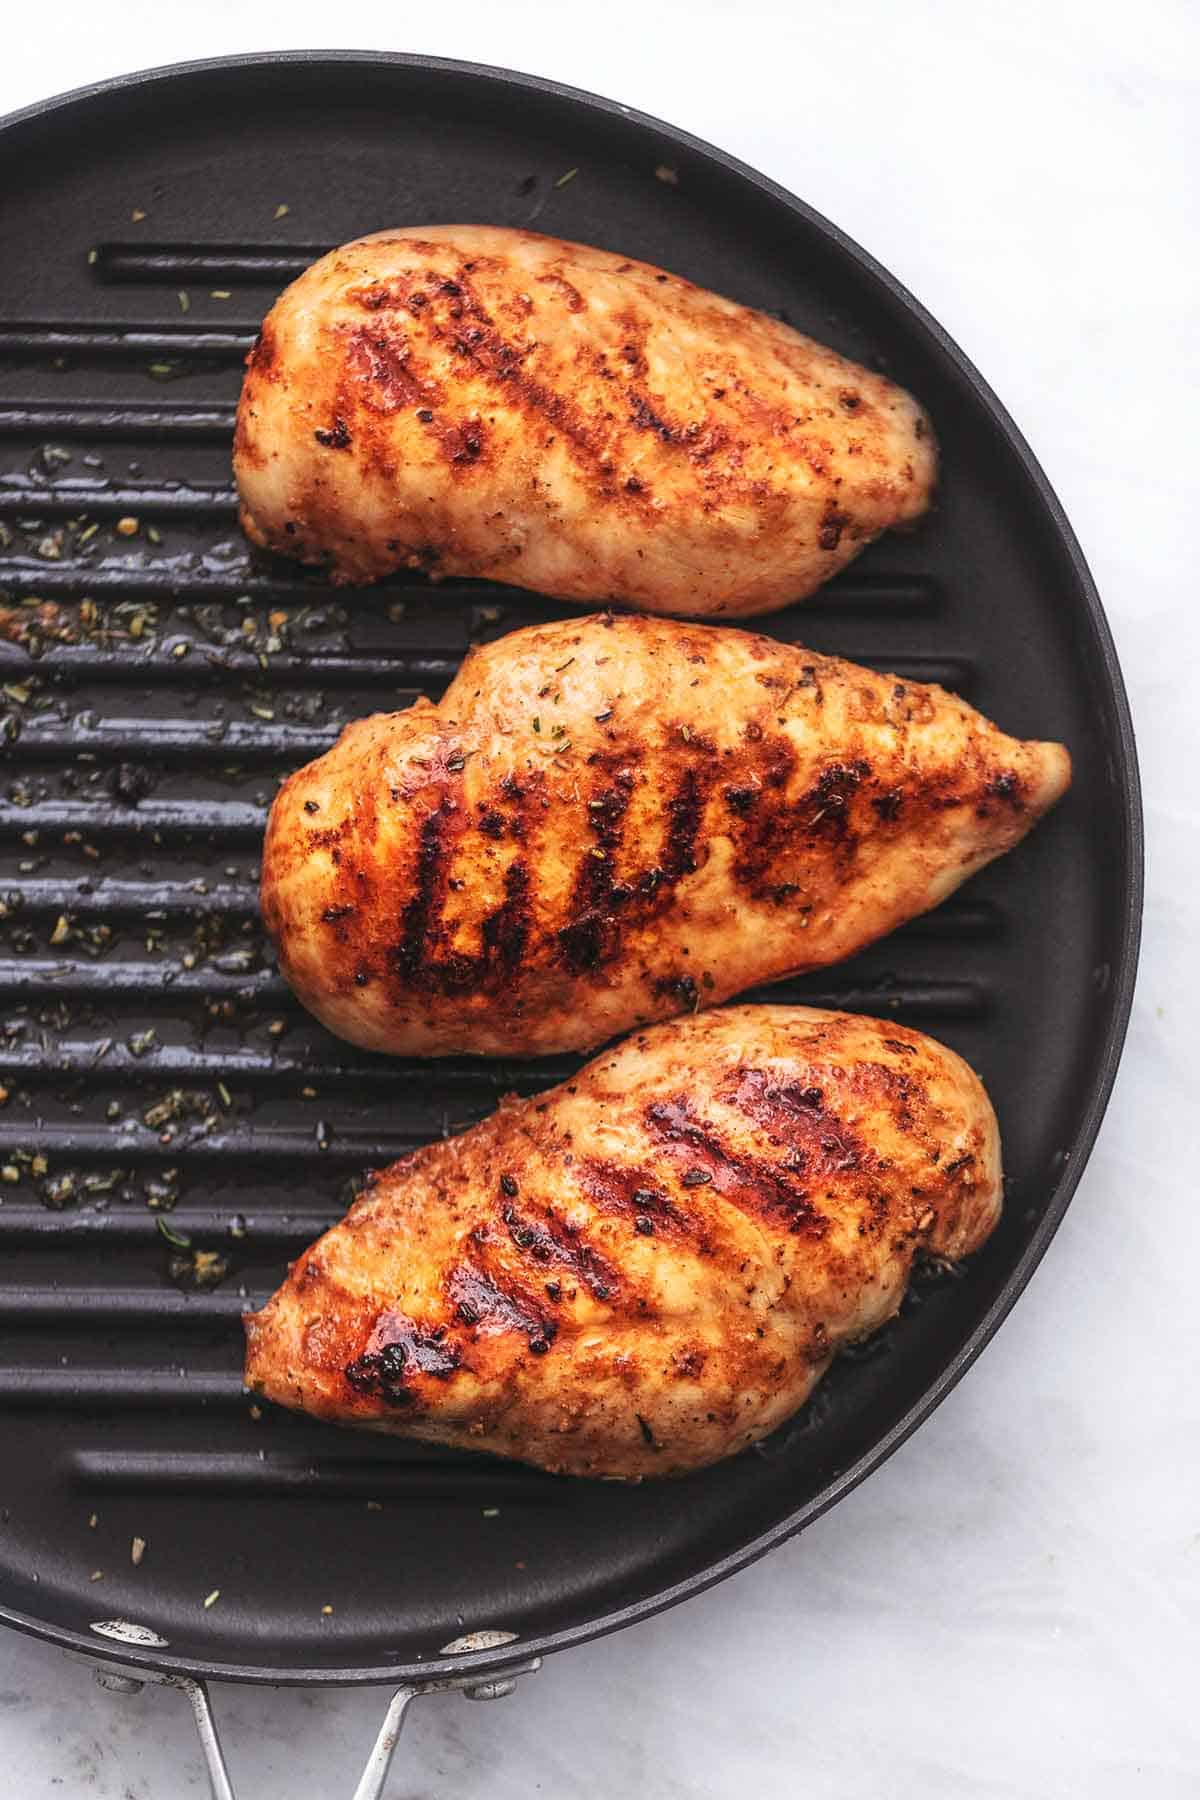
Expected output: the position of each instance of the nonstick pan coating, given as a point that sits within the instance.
(161, 684)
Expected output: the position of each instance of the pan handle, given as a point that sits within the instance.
(374, 1776)
(210, 1743)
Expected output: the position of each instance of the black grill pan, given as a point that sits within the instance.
(154, 694)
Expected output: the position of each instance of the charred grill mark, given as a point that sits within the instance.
(829, 535)
(337, 437)
(544, 1245)
(756, 1187)
(1007, 787)
(397, 1350)
(778, 829)
(607, 810)
(370, 299)
(325, 837)
(496, 361)
(388, 380)
(263, 352)
(452, 318)
(777, 1104)
(383, 1376)
(740, 799)
(584, 944)
(769, 825)
(419, 922)
(632, 351)
(777, 769)
(385, 379)
(830, 799)
(592, 935)
(588, 938)
(680, 988)
(869, 1084)
(796, 1115)
(464, 443)
(643, 416)
(528, 799)
(781, 846)
(479, 1301)
(632, 1193)
(506, 931)
(421, 955)
(684, 811)
(410, 290)
(703, 443)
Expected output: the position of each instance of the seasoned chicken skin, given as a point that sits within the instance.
(488, 402)
(609, 820)
(651, 1266)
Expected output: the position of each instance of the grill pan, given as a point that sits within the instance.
(154, 695)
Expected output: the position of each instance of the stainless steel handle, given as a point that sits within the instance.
(210, 1743)
(374, 1776)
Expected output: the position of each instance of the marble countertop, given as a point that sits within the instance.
(1009, 1609)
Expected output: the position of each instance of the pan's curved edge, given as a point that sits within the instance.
(1125, 973)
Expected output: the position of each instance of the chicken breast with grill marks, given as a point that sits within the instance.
(609, 820)
(652, 1266)
(487, 402)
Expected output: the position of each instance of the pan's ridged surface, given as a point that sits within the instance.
(488, 402)
(650, 1267)
(610, 820)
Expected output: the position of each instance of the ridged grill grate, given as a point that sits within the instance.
(156, 692)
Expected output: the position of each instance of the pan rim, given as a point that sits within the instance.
(1124, 975)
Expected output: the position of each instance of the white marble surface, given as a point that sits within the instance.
(1008, 1609)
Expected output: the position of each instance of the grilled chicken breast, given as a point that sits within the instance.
(651, 1266)
(609, 820)
(478, 401)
